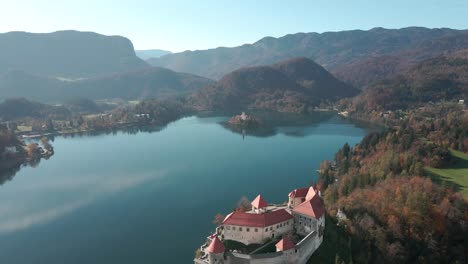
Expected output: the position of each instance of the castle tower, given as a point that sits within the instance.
(288, 248)
(216, 251)
(259, 204)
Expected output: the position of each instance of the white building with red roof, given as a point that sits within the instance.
(309, 216)
(297, 196)
(256, 226)
(295, 228)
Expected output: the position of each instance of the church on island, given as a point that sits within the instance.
(268, 233)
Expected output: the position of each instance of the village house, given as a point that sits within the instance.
(10, 149)
(302, 218)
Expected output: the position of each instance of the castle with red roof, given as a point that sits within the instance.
(269, 233)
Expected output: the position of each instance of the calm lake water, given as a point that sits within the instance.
(151, 197)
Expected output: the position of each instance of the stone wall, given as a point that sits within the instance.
(300, 254)
(306, 224)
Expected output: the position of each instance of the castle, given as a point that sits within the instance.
(288, 233)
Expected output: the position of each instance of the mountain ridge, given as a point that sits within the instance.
(329, 49)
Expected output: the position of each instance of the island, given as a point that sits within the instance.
(268, 233)
(244, 121)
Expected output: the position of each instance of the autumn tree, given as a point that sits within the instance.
(218, 219)
(32, 149)
(244, 204)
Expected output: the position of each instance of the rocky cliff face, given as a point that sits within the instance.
(70, 54)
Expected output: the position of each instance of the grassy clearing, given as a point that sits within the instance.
(455, 176)
(24, 128)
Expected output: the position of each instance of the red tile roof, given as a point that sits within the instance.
(216, 246)
(257, 220)
(259, 202)
(284, 244)
(299, 193)
(311, 193)
(313, 207)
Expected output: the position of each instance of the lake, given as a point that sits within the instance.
(150, 197)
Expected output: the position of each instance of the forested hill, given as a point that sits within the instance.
(444, 78)
(395, 212)
(296, 85)
(371, 69)
(18, 108)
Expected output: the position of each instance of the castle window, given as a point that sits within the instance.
(240, 228)
(266, 229)
(233, 228)
(248, 229)
(271, 228)
(228, 227)
(256, 229)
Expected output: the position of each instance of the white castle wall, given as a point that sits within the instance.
(256, 235)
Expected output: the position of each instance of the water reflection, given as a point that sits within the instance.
(7, 174)
(273, 123)
(131, 130)
(294, 125)
(26, 214)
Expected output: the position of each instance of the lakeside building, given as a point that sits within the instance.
(10, 149)
(286, 233)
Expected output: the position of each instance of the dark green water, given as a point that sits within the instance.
(151, 197)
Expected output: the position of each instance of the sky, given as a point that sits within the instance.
(178, 25)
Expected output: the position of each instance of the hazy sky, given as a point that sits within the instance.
(200, 24)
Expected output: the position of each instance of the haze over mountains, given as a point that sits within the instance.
(332, 50)
(54, 67)
(148, 83)
(152, 53)
(68, 54)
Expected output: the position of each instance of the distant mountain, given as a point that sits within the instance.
(295, 85)
(329, 49)
(69, 54)
(148, 83)
(444, 78)
(366, 71)
(152, 53)
(17, 108)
